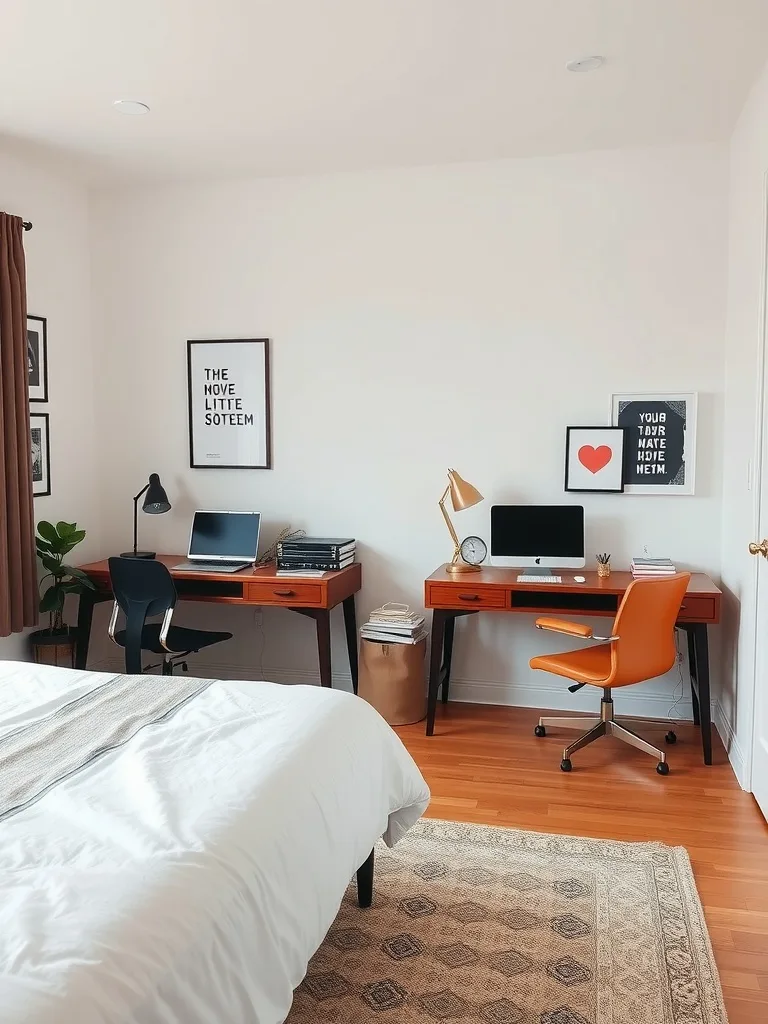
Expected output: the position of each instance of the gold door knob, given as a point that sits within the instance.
(759, 549)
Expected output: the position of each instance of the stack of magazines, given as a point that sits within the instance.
(652, 567)
(394, 624)
(315, 555)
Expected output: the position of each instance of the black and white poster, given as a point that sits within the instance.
(229, 414)
(40, 454)
(660, 454)
(37, 358)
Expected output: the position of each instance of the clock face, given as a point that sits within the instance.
(473, 550)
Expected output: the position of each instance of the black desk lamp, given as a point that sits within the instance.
(155, 503)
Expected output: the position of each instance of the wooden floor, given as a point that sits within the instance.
(485, 765)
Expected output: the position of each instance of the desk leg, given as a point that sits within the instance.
(323, 620)
(435, 664)
(694, 675)
(350, 627)
(702, 677)
(450, 626)
(88, 599)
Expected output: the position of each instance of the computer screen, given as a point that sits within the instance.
(225, 535)
(547, 535)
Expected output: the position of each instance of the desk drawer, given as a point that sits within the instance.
(465, 595)
(299, 594)
(697, 609)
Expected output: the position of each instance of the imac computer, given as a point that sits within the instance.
(537, 537)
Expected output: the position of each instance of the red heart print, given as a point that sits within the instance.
(595, 459)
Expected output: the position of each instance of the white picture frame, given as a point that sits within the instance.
(229, 404)
(661, 440)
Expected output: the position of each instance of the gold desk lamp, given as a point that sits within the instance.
(463, 495)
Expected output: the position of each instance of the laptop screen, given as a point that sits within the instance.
(225, 535)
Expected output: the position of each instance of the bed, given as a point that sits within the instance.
(188, 875)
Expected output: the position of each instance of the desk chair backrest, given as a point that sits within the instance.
(142, 587)
(645, 626)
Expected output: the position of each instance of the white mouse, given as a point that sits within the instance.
(580, 579)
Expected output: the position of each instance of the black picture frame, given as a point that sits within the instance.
(37, 358)
(609, 477)
(261, 401)
(40, 454)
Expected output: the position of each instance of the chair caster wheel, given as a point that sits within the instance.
(565, 764)
(671, 737)
(662, 768)
(539, 731)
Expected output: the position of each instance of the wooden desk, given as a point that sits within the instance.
(314, 597)
(497, 590)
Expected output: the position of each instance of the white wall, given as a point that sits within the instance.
(747, 230)
(424, 318)
(58, 287)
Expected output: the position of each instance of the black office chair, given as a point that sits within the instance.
(142, 588)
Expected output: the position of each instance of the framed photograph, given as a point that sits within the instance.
(661, 441)
(229, 413)
(41, 454)
(37, 358)
(594, 459)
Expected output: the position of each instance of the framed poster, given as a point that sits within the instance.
(41, 454)
(37, 358)
(229, 414)
(594, 459)
(661, 441)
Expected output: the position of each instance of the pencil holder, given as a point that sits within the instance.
(603, 566)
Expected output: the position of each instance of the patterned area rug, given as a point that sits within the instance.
(495, 926)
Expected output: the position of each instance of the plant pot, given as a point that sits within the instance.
(54, 648)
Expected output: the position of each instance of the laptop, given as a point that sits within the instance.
(222, 542)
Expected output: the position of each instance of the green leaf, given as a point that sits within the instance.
(65, 529)
(53, 599)
(47, 531)
(67, 543)
(42, 545)
(50, 563)
(78, 574)
(72, 587)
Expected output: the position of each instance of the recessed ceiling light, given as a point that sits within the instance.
(130, 107)
(585, 64)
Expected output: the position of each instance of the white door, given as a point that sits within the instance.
(759, 548)
(760, 736)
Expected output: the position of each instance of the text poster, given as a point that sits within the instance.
(229, 415)
(660, 454)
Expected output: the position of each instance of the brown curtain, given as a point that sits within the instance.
(18, 564)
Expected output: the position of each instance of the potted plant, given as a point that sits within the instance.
(56, 644)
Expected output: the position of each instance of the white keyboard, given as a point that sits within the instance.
(539, 579)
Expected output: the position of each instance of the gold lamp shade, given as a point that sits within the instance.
(463, 495)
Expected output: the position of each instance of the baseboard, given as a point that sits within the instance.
(731, 744)
(557, 698)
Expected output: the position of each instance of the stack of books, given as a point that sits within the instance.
(315, 555)
(652, 567)
(394, 624)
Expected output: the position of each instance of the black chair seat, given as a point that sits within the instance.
(180, 639)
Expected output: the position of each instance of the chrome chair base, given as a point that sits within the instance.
(605, 725)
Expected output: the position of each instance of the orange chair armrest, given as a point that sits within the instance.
(564, 626)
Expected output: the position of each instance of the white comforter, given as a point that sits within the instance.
(189, 876)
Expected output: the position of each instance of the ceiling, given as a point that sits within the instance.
(304, 86)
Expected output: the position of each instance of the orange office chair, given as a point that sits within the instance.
(641, 646)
